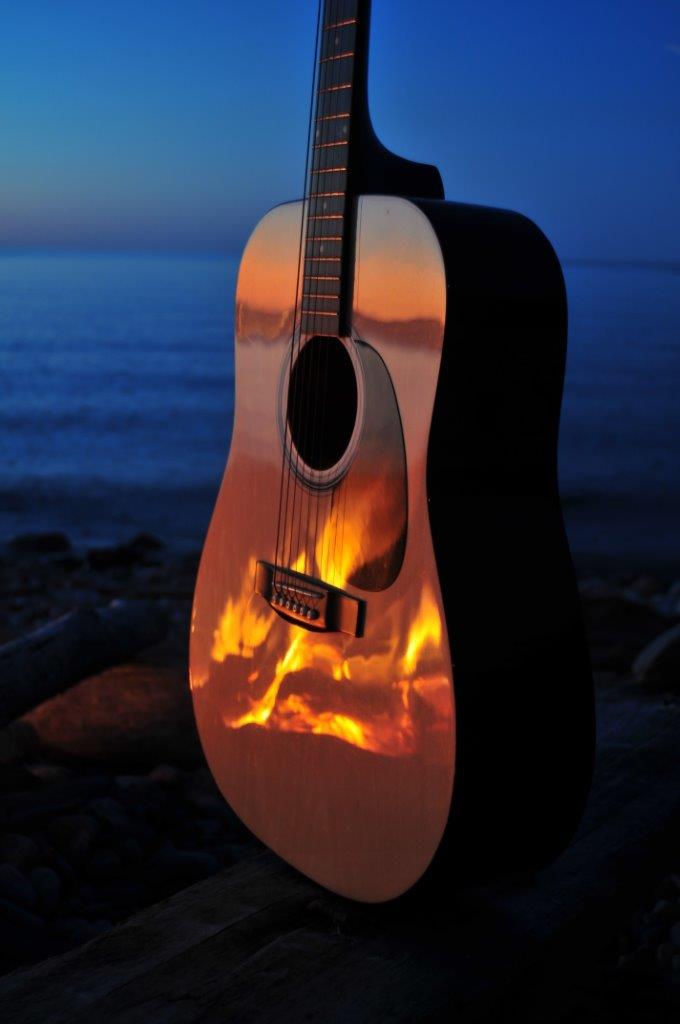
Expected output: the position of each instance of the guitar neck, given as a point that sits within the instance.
(338, 112)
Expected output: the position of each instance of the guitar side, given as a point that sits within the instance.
(525, 731)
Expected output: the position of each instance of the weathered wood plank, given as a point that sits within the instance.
(37, 666)
(260, 943)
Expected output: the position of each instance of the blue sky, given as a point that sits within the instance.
(176, 125)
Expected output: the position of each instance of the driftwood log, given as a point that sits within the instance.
(259, 943)
(47, 661)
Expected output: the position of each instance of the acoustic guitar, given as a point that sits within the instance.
(388, 664)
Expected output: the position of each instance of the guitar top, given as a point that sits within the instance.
(388, 667)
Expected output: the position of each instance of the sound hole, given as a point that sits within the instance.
(322, 402)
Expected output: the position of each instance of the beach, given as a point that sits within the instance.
(114, 427)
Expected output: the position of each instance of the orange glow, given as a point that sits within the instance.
(374, 697)
(347, 542)
(244, 623)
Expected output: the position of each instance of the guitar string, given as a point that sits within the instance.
(328, 78)
(300, 387)
(327, 134)
(310, 301)
(309, 371)
(334, 520)
(311, 367)
(325, 137)
(310, 391)
(279, 556)
(289, 405)
(330, 529)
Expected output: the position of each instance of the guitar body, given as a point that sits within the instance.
(388, 665)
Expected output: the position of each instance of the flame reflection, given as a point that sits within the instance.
(380, 695)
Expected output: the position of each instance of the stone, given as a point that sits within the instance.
(165, 775)
(19, 850)
(674, 935)
(659, 661)
(141, 549)
(130, 851)
(13, 916)
(646, 586)
(618, 629)
(63, 868)
(652, 936)
(98, 927)
(103, 864)
(666, 890)
(49, 772)
(206, 828)
(639, 959)
(661, 911)
(73, 928)
(39, 544)
(47, 885)
(15, 887)
(110, 813)
(74, 835)
(134, 784)
(665, 954)
(124, 895)
(595, 587)
(211, 806)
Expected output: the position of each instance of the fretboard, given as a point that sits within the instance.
(328, 228)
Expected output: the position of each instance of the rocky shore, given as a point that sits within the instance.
(106, 805)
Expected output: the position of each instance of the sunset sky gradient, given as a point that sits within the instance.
(176, 125)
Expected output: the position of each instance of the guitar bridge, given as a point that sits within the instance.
(309, 602)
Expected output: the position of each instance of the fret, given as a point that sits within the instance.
(323, 290)
(331, 117)
(337, 56)
(343, 40)
(314, 324)
(337, 102)
(333, 182)
(329, 159)
(318, 266)
(344, 12)
(327, 245)
(320, 297)
(317, 249)
(333, 206)
(329, 145)
(336, 73)
(330, 133)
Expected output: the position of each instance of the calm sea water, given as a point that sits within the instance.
(116, 393)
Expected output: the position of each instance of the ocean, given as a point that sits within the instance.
(116, 398)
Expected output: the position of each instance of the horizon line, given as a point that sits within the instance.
(226, 253)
